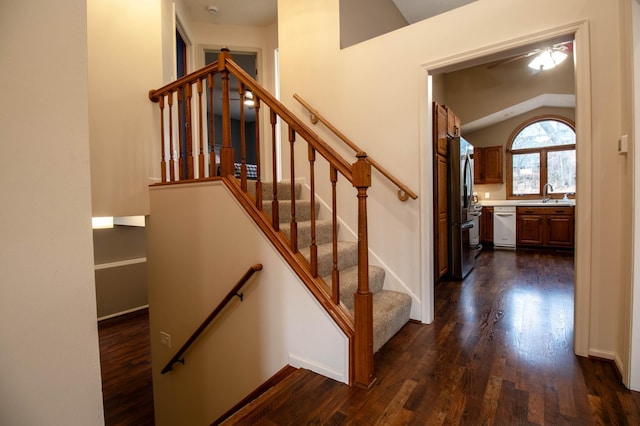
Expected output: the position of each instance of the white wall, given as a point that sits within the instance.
(200, 242)
(374, 93)
(49, 362)
(125, 62)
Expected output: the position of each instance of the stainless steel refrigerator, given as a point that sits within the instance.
(460, 185)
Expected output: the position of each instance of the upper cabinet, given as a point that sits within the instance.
(488, 165)
(453, 123)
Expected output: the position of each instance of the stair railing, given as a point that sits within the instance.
(206, 118)
(234, 292)
(403, 190)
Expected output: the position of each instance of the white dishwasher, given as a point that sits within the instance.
(504, 226)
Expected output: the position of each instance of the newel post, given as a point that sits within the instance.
(363, 299)
(226, 151)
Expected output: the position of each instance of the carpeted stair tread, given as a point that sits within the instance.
(349, 283)
(303, 210)
(347, 256)
(284, 190)
(324, 232)
(391, 310)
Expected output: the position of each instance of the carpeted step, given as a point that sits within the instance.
(349, 283)
(391, 310)
(303, 210)
(347, 256)
(324, 232)
(284, 190)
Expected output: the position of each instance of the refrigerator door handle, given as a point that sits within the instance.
(467, 225)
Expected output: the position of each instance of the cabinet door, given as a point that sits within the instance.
(478, 165)
(529, 229)
(442, 237)
(440, 131)
(493, 164)
(453, 124)
(560, 231)
(486, 225)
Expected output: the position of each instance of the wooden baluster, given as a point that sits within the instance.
(212, 134)
(201, 133)
(275, 215)
(258, 167)
(226, 152)
(172, 149)
(363, 299)
(313, 248)
(163, 162)
(243, 142)
(294, 224)
(188, 133)
(335, 274)
(181, 141)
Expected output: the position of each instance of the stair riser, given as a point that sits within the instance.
(323, 233)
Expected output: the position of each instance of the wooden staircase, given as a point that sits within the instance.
(337, 273)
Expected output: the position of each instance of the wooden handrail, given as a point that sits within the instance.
(403, 191)
(232, 293)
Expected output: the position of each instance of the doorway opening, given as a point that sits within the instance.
(500, 52)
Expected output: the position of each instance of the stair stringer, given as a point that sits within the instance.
(392, 280)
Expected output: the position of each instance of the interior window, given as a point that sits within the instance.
(540, 151)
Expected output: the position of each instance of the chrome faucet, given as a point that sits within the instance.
(545, 192)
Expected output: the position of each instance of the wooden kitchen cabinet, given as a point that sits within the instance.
(487, 163)
(440, 130)
(453, 123)
(551, 226)
(486, 226)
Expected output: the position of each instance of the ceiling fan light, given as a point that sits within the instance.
(547, 59)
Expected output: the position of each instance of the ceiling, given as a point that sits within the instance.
(265, 12)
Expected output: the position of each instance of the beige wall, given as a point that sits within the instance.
(125, 62)
(200, 242)
(376, 97)
(49, 362)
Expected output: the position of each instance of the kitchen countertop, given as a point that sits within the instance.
(537, 203)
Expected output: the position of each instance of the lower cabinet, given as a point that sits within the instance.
(486, 225)
(545, 226)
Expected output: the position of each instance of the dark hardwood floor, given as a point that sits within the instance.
(125, 359)
(498, 353)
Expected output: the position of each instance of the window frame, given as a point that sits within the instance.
(543, 157)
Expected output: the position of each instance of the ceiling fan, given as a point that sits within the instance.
(545, 57)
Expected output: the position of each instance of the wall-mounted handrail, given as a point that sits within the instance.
(232, 293)
(403, 190)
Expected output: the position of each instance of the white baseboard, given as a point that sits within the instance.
(602, 354)
(299, 362)
(128, 311)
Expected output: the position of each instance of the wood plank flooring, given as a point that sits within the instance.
(499, 353)
(125, 358)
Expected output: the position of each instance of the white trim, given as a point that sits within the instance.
(610, 355)
(128, 311)
(120, 263)
(300, 362)
(583, 251)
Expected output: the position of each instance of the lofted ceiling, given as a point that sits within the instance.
(265, 12)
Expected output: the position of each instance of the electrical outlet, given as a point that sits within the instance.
(165, 339)
(487, 195)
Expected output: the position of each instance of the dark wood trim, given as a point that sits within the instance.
(284, 372)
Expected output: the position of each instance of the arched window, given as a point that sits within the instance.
(542, 150)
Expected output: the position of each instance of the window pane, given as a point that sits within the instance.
(526, 173)
(561, 170)
(543, 134)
